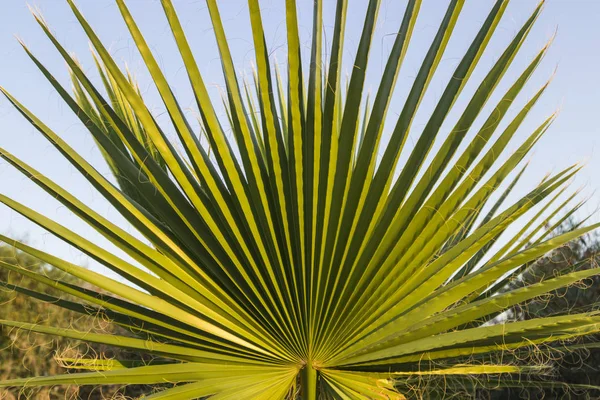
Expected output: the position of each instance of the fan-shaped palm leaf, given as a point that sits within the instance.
(292, 250)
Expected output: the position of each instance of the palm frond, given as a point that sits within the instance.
(291, 253)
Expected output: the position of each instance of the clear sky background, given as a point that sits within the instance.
(575, 88)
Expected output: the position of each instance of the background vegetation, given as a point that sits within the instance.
(574, 369)
(24, 354)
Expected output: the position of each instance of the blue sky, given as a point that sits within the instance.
(575, 88)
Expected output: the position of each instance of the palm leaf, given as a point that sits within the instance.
(291, 253)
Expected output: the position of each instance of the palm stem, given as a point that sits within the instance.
(309, 382)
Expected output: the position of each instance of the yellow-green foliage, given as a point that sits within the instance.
(296, 255)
